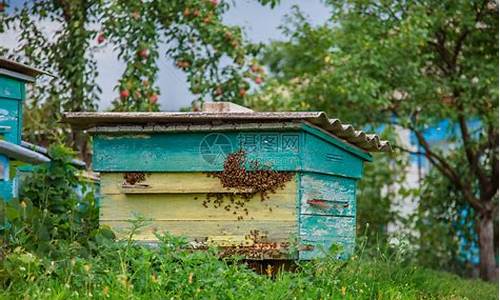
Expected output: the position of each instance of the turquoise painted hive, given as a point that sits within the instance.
(159, 165)
(13, 79)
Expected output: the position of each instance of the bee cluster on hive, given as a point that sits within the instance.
(132, 178)
(260, 247)
(247, 182)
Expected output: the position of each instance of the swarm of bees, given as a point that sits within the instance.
(248, 182)
(256, 179)
(132, 178)
(260, 248)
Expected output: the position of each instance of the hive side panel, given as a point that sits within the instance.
(203, 229)
(322, 156)
(319, 233)
(173, 206)
(192, 207)
(11, 88)
(194, 152)
(327, 195)
(10, 120)
(327, 215)
(158, 183)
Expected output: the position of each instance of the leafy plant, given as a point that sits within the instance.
(55, 207)
(129, 270)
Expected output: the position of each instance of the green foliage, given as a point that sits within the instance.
(169, 271)
(189, 33)
(383, 57)
(438, 222)
(56, 207)
(403, 65)
(445, 229)
(375, 198)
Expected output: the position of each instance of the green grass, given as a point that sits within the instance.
(125, 270)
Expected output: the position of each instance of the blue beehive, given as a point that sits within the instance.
(156, 164)
(13, 79)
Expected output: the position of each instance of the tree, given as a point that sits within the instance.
(410, 64)
(213, 55)
(446, 237)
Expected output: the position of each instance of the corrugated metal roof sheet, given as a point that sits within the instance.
(346, 132)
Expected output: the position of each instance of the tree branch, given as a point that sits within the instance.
(408, 150)
(446, 169)
(472, 156)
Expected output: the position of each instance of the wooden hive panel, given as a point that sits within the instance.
(321, 155)
(194, 151)
(11, 88)
(10, 120)
(174, 203)
(330, 218)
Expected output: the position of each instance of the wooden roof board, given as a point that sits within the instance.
(20, 67)
(19, 70)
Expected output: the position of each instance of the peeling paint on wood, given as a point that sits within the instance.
(194, 152)
(11, 88)
(315, 227)
(323, 248)
(322, 227)
(338, 193)
(321, 156)
(181, 213)
(205, 152)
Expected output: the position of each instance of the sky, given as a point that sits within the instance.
(260, 24)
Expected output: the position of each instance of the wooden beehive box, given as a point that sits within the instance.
(158, 165)
(13, 79)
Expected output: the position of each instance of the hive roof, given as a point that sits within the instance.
(19, 70)
(346, 132)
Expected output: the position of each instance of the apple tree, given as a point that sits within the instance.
(61, 37)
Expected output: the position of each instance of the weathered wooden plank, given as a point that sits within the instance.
(321, 232)
(322, 248)
(191, 152)
(280, 206)
(223, 127)
(205, 152)
(158, 183)
(322, 156)
(276, 231)
(314, 227)
(327, 195)
(230, 240)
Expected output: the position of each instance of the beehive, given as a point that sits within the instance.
(13, 79)
(159, 165)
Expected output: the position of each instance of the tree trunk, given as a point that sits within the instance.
(487, 265)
